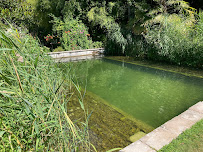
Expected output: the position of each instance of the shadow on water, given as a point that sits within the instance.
(170, 75)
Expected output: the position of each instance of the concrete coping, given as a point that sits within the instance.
(170, 130)
(73, 51)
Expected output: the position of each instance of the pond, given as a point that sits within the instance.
(149, 95)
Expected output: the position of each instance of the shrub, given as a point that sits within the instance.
(175, 40)
(97, 44)
(58, 49)
(74, 35)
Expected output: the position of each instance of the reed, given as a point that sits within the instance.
(34, 93)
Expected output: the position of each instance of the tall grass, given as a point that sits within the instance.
(33, 99)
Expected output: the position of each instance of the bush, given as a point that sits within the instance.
(97, 44)
(74, 35)
(58, 49)
(175, 40)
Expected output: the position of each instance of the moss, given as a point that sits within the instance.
(137, 136)
(108, 127)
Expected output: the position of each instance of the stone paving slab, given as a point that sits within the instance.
(177, 125)
(170, 130)
(137, 147)
(158, 138)
(197, 107)
(191, 115)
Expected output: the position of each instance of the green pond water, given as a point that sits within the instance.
(150, 95)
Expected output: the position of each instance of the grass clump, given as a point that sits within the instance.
(33, 99)
(190, 140)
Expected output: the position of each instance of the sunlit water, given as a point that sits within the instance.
(150, 95)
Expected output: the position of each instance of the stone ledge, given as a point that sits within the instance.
(191, 115)
(158, 138)
(197, 107)
(177, 125)
(101, 50)
(137, 146)
(170, 130)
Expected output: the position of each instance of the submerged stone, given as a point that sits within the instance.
(137, 136)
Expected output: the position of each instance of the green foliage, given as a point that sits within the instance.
(72, 8)
(97, 44)
(136, 47)
(58, 49)
(19, 12)
(122, 23)
(172, 6)
(175, 40)
(73, 34)
(34, 95)
(99, 16)
(199, 29)
(129, 27)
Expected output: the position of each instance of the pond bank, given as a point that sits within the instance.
(187, 71)
(170, 130)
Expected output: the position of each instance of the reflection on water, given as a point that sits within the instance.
(150, 95)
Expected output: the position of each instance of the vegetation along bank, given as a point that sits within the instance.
(34, 91)
(162, 30)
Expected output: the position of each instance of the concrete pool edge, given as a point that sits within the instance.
(170, 130)
(77, 55)
(156, 67)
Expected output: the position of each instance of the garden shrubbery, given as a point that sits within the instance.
(172, 34)
(176, 40)
(163, 30)
(73, 34)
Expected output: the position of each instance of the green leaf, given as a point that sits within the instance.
(39, 108)
(5, 78)
(37, 143)
(8, 41)
(59, 87)
(5, 49)
(36, 128)
(30, 104)
(2, 133)
(115, 149)
(81, 104)
(36, 61)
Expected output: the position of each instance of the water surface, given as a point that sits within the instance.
(150, 95)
